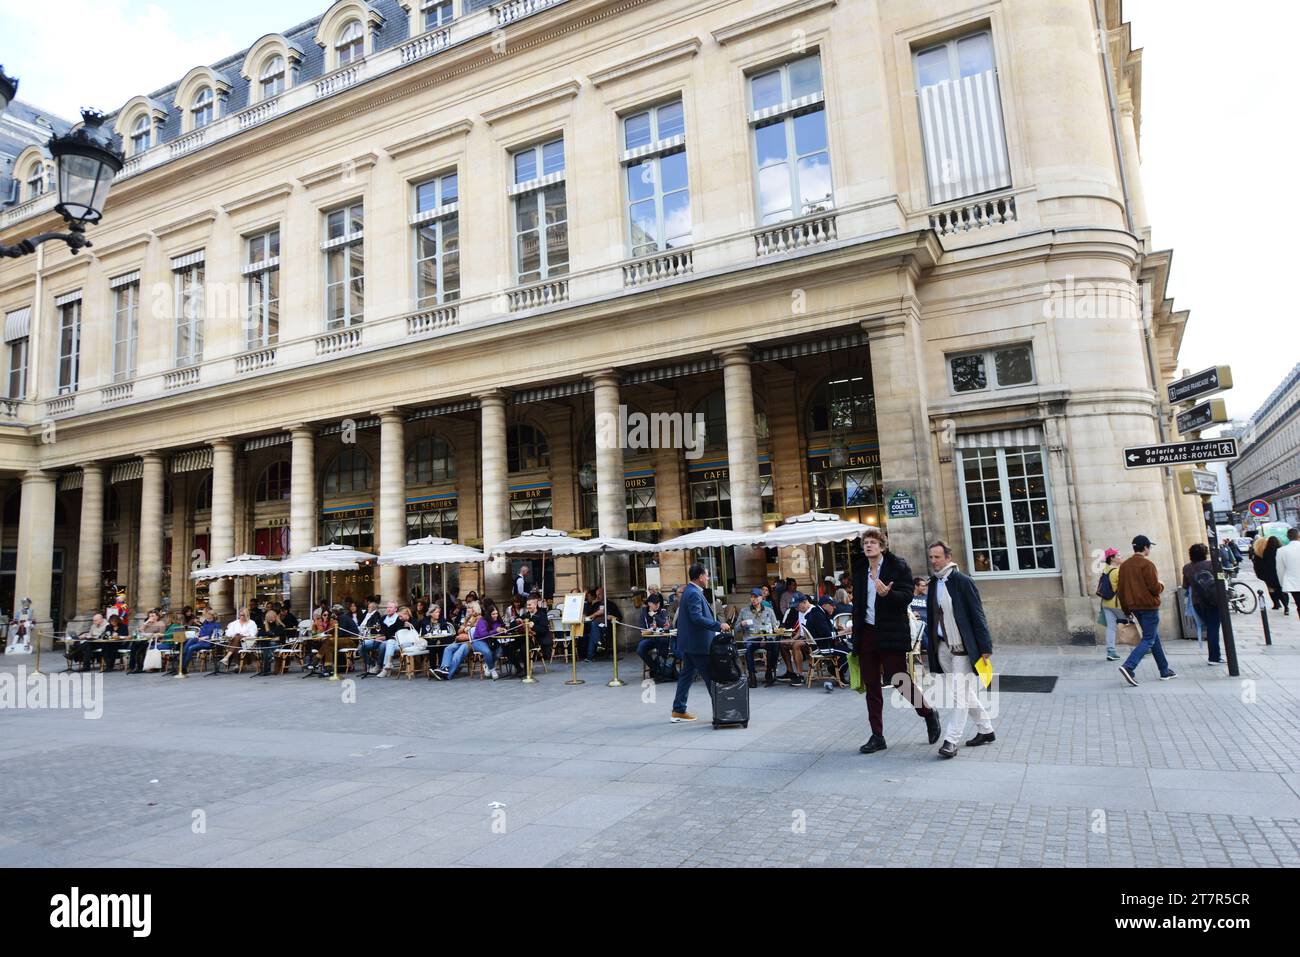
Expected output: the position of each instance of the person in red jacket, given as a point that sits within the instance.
(1139, 595)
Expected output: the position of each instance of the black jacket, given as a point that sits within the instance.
(966, 608)
(893, 631)
(818, 625)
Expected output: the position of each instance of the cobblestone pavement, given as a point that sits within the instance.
(1202, 770)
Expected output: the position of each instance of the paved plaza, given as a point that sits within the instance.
(239, 771)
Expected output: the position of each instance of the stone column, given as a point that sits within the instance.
(35, 569)
(302, 512)
(611, 495)
(222, 534)
(149, 587)
(182, 540)
(392, 501)
(496, 490)
(902, 424)
(742, 463)
(90, 550)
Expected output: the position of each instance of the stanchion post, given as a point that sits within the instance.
(1263, 616)
(574, 632)
(613, 630)
(335, 675)
(528, 654)
(36, 638)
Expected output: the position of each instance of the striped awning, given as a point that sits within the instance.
(965, 147)
(126, 471)
(549, 392)
(189, 259)
(124, 280)
(267, 441)
(18, 324)
(1001, 438)
(812, 348)
(71, 481)
(195, 460)
(672, 372)
(67, 297)
(469, 405)
(263, 266)
(370, 423)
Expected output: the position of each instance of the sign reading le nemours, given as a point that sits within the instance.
(1180, 453)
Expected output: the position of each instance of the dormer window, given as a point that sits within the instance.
(141, 135)
(273, 77)
(437, 13)
(36, 181)
(202, 110)
(351, 44)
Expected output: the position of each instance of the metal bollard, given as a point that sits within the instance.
(1263, 616)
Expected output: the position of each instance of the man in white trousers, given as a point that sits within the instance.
(958, 637)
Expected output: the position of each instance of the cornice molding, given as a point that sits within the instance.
(739, 29)
(358, 164)
(563, 91)
(265, 196)
(430, 138)
(203, 218)
(646, 61)
(121, 246)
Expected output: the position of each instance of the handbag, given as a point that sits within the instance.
(855, 674)
(1101, 616)
(153, 657)
(1127, 633)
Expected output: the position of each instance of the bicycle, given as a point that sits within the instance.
(1241, 597)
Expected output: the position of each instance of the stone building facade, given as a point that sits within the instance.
(379, 275)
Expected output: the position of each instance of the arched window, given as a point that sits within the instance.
(273, 77)
(141, 135)
(714, 410)
(36, 180)
(274, 484)
(349, 472)
(203, 497)
(202, 111)
(430, 460)
(526, 448)
(842, 404)
(351, 44)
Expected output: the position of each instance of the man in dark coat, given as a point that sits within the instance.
(882, 633)
(958, 637)
(697, 626)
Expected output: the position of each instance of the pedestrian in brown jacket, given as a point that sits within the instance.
(1139, 596)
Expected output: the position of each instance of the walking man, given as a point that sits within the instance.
(882, 634)
(697, 626)
(1139, 596)
(958, 632)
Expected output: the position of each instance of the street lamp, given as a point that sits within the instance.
(587, 477)
(88, 161)
(8, 89)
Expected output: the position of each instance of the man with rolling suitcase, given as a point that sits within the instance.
(697, 626)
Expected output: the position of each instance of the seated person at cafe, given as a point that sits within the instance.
(153, 628)
(653, 649)
(288, 618)
(273, 633)
(239, 631)
(455, 653)
(83, 652)
(209, 632)
(539, 635)
(374, 634)
(600, 632)
(759, 619)
(108, 653)
(331, 648)
(391, 629)
(827, 637)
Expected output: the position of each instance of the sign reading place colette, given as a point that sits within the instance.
(902, 505)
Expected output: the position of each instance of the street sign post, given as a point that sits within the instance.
(1221, 591)
(1198, 417)
(1202, 383)
(1259, 508)
(1180, 453)
(1197, 482)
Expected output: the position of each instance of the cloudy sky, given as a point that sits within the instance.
(1205, 141)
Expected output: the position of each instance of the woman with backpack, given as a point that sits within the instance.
(1203, 595)
(1108, 592)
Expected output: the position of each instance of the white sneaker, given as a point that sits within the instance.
(495, 674)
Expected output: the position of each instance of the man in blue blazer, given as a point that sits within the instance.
(697, 626)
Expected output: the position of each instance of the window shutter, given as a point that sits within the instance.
(965, 146)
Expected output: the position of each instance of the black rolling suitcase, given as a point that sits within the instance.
(731, 703)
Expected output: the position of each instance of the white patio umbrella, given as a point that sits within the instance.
(709, 537)
(240, 566)
(605, 545)
(814, 528)
(330, 558)
(536, 541)
(432, 550)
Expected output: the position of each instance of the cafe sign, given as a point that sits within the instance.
(903, 505)
(432, 504)
(854, 460)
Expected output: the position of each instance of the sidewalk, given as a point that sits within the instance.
(1201, 770)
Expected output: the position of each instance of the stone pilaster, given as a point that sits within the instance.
(742, 462)
(496, 490)
(90, 550)
(34, 573)
(222, 535)
(149, 579)
(392, 500)
(611, 494)
(302, 511)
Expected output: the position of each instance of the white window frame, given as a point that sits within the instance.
(785, 112)
(437, 219)
(534, 191)
(203, 110)
(347, 240)
(189, 327)
(71, 360)
(126, 308)
(1009, 525)
(141, 134)
(656, 150)
(991, 368)
(17, 367)
(279, 79)
(36, 180)
(428, 7)
(257, 317)
(346, 44)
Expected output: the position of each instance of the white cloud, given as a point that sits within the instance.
(101, 53)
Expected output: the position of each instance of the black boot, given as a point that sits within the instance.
(932, 727)
(874, 743)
